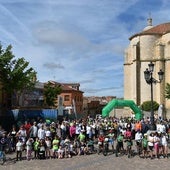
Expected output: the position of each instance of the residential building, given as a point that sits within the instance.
(72, 98)
(93, 105)
(32, 98)
(152, 44)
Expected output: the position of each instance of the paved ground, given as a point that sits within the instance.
(88, 162)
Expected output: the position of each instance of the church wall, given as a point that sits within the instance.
(129, 71)
(147, 47)
(127, 82)
(141, 50)
(166, 41)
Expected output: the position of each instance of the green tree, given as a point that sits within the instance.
(146, 106)
(51, 92)
(15, 76)
(167, 91)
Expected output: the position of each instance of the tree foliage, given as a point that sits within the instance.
(15, 74)
(167, 91)
(146, 106)
(51, 92)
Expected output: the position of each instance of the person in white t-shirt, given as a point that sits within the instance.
(22, 134)
(48, 132)
(164, 144)
(78, 129)
(29, 148)
(88, 131)
(138, 139)
(41, 133)
(33, 131)
(48, 147)
(151, 144)
(160, 127)
(19, 148)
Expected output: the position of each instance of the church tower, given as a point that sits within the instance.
(150, 45)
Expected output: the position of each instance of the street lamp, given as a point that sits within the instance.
(150, 80)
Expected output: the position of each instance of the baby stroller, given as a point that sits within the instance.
(41, 152)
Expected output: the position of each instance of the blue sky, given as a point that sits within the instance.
(77, 41)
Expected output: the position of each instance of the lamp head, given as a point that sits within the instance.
(160, 74)
(147, 75)
(151, 67)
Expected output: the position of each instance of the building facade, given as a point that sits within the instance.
(72, 98)
(150, 45)
(93, 105)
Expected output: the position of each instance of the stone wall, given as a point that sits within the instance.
(121, 113)
(127, 112)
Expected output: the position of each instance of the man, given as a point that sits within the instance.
(41, 133)
(27, 127)
(33, 131)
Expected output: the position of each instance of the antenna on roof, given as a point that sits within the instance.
(149, 20)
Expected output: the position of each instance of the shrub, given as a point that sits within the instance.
(146, 106)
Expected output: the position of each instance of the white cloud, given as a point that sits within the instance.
(77, 40)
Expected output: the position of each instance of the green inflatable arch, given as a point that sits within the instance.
(122, 103)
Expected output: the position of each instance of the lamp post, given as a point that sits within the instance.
(148, 74)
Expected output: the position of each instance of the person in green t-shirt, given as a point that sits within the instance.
(55, 146)
(36, 147)
(119, 146)
(81, 137)
(145, 146)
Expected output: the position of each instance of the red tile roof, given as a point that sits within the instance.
(65, 86)
(159, 30)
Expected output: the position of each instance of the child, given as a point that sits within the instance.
(48, 149)
(119, 145)
(42, 148)
(129, 146)
(67, 143)
(55, 146)
(156, 140)
(83, 149)
(145, 146)
(72, 150)
(35, 147)
(60, 152)
(19, 148)
(29, 148)
(111, 139)
(90, 146)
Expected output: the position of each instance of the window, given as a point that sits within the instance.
(66, 98)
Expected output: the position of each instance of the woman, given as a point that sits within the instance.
(72, 131)
(164, 142)
(12, 135)
(151, 144)
(22, 134)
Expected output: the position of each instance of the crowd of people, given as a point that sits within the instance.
(42, 139)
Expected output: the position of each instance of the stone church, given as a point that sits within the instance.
(152, 44)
